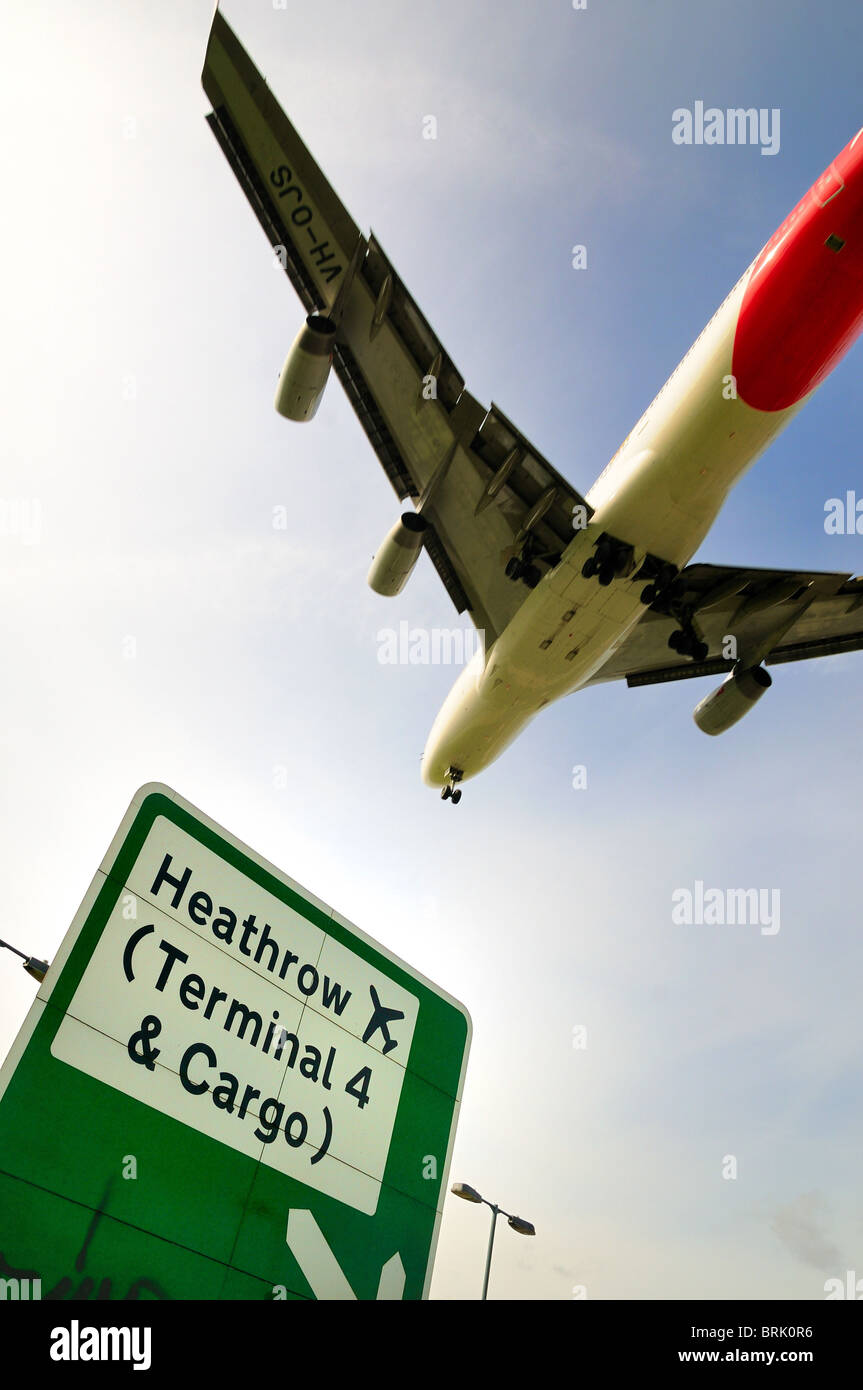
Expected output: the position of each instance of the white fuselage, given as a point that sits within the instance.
(661, 494)
(789, 319)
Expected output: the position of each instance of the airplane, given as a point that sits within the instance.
(380, 1020)
(569, 590)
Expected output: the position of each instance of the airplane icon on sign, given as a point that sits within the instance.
(380, 1019)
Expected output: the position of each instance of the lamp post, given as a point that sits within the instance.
(524, 1228)
(37, 968)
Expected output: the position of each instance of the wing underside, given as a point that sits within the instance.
(746, 616)
(484, 489)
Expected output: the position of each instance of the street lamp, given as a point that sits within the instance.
(524, 1228)
(37, 968)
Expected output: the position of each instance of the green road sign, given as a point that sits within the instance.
(224, 1090)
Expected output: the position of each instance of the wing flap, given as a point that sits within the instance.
(789, 615)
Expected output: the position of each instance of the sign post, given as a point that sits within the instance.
(224, 1090)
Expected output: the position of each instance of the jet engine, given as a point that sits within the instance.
(731, 700)
(306, 369)
(395, 560)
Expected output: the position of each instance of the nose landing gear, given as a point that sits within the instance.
(452, 791)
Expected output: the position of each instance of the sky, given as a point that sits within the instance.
(157, 626)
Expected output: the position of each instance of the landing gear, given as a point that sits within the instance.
(603, 568)
(667, 586)
(520, 568)
(611, 559)
(524, 566)
(666, 594)
(686, 642)
(452, 791)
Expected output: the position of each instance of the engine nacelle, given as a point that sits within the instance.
(395, 560)
(306, 369)
(731, 700)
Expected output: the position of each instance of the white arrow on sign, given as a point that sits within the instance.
(322, 1270)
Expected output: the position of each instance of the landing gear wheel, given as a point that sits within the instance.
(532, 575)
(686, 642)
(452, 791)
(611, 558)
(665, 587)
(604, 554)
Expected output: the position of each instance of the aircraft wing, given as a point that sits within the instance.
(773, 616)
(482, 486)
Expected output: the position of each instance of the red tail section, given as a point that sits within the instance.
(803, 306)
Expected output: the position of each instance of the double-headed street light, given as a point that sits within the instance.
(524, 1228)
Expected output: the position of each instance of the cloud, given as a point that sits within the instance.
(799, 1226)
